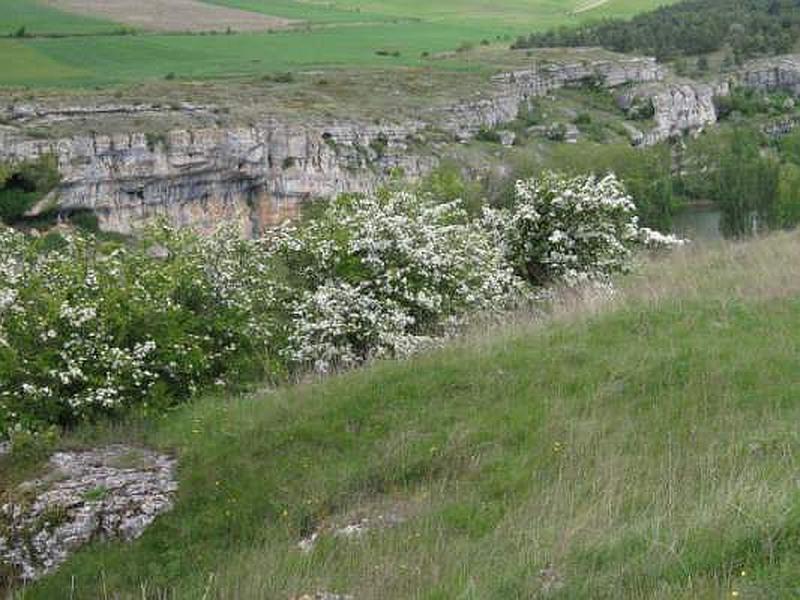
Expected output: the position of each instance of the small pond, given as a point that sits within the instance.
(698, 222)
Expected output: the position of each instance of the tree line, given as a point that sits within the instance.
(748, 27)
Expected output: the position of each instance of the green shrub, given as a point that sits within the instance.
(88, 328)
(488, 135)
(23, 184)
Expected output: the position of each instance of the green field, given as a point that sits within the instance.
(67, 50)
(646, 448)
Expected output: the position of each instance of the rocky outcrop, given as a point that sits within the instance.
(677, 108)
(773, 74)
(108, 493)
(26, 113)
(253, 176)
(514, 89)
(257, 175)
(684, 107)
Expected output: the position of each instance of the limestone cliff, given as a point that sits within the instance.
(681, 107)
(677, 108)
(773, 74)
(513, 89)
(257, 175)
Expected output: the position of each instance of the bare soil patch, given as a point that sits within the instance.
(172, 15)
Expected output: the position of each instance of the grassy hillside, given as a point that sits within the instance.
(642, 448)
(349, 33)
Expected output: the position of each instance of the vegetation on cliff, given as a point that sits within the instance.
(23, 184)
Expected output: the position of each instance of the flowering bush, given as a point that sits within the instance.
(655, 240)
(87, 329)
(382, 275)
(569, 230)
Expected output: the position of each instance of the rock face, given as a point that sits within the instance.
(253, 176)
(774, 74)
(256, 176)
(689, 106)
(514, 89)
(113, 492)
(677, 108)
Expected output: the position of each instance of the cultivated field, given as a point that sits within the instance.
(171, 15)
(81, 43)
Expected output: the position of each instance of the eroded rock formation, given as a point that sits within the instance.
(257, 175)
(112, 492)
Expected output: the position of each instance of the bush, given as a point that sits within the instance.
(569, 230)
(381, 276)
(556, 132)
(88, 330)
(488, 135)
(23, 184)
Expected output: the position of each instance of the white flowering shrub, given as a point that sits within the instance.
(86, 329)
(570, 230)
(383, 275)
(655, 240)
(89, 328)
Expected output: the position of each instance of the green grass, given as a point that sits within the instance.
(39, 19)
(343, 34)
(532, 13)
(23, 64)
(130, 58)
(644, 448)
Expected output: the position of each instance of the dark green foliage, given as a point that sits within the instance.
(487, 135)
(155, 139)
(646, 173)
(557, 132)
(749, 27)
(22, 185)
(287, 77)
(85, 220)
(447, 183)
(642, 109)
(748, 103)
(529, 114)
(379, 145)
(749, 183)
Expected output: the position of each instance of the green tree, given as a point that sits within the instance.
(788, 205)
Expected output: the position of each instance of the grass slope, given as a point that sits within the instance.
(643, 449)
(342, 34)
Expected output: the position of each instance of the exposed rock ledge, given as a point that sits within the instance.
(257, 175)
(112, 492)
(688, 106)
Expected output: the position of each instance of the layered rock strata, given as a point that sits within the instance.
(257, 175)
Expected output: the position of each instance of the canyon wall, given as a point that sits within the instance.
(686, 106)
(258, 175)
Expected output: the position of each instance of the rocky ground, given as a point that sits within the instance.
(114, 492)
